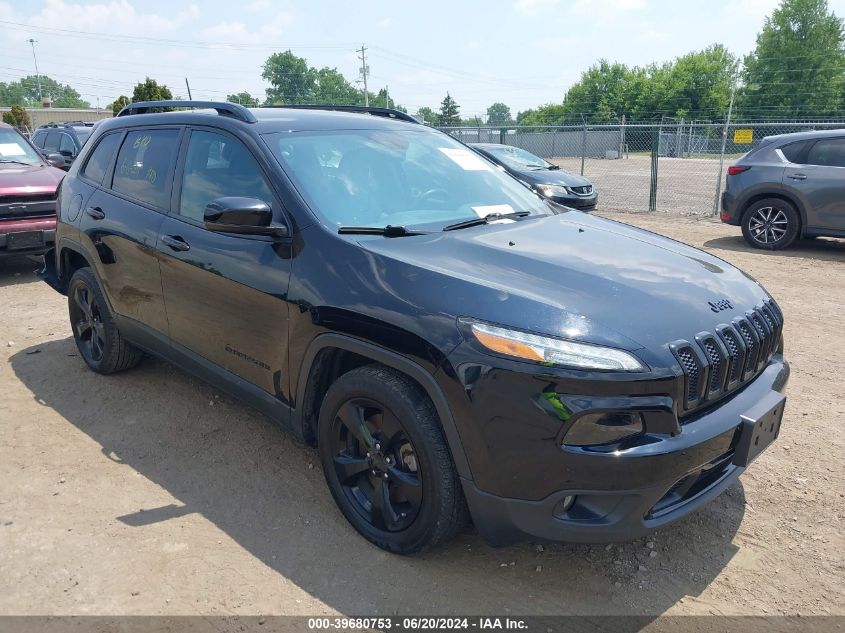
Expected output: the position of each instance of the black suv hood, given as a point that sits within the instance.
(572, 275)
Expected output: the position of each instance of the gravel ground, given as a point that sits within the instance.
(151, 493)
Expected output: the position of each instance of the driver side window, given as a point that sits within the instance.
(217, 166)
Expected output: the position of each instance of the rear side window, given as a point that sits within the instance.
(794, 151)
(144, 166)
(98, 163)
(829, 152)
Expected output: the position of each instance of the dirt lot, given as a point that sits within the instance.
(151, 493)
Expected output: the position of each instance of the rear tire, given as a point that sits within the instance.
(771, 224)
(98, 340)
(386, 461)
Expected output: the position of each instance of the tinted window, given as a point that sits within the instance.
(82, 133)
(38, 139)
(828, 152)
(143, 165)
(52, 142)
(794, 151)
(66, 144)
(98, 163)
(217, 166)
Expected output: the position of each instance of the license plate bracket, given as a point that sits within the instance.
(24, 239)
(760, 427)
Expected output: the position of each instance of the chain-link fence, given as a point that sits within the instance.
(671, 167)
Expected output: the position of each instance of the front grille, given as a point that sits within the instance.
(583, 191)
(739, 351)
(25, 198)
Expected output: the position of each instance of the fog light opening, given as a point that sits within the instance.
(563, 506)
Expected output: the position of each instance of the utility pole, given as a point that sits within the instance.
(37, 74)
(188, 86)
(365, 70)
(724, 144)
(386, 97)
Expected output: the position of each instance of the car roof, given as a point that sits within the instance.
(269, 119)
(802, 136)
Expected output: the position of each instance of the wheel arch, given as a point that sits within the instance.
(70, 259)
(331, 355)
(781, 195)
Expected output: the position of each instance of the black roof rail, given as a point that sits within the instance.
(223, 108)
(389, 113)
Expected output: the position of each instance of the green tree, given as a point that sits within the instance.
(291, 79)
(450, 112)
(798, 66)
(332, 87)
(18, 117)
(499, 114)
(25, 92)
(244, 98)
(151, 90)
(548, 114)
(118, 104)
(428, 115)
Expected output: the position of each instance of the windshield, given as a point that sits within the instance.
(13, 148)
(377, 178)
(517, 158)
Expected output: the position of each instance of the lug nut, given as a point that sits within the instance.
(384, 475)
(378, 446)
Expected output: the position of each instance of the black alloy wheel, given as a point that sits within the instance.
(386, 461)
(376, 465)
(87, 321)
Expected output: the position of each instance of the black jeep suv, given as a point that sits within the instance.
(453, 344)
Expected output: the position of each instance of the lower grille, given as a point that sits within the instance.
(716, 365)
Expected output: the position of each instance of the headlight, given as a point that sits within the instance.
(552, 351)
(553, 190)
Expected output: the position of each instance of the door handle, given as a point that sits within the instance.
(175, 242)
(798, 176)
(95, 212)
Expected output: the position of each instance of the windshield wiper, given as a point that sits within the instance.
(17, 162)
(490, 217)
(552, 167)
(390, 230)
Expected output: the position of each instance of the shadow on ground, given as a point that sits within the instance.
(239, 471)
(18, 270)
(822, 249)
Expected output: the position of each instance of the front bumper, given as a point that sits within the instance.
(582, 203)
(625, 494)
(42, 228)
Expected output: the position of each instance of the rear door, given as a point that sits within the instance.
(820, 182)
(121, 223)
(226, 295)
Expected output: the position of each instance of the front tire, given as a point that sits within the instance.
(771, 224)
(386, 461)
(98, 340)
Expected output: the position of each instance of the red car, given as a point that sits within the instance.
(28, 185)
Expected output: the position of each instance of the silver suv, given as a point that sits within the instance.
(790, 186)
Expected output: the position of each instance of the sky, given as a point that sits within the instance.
(520, 52)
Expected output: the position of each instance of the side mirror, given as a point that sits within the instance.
(56, 160)
(245, 216)
(66, 152)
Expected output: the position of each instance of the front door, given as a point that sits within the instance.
(226, 295)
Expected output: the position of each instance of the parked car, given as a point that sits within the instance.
(28, 185)
(66, 139)
(452, 343)
(791, 186)
(547, 179)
